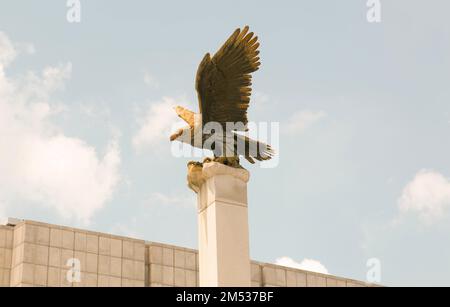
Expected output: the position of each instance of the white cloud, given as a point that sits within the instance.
(301, 120)
(3, 217)
(150, 80)
(427, 195)
(157, 124)
(306, 264)
(185, 201)
(7, 51)
(39, 164)
(26, 48)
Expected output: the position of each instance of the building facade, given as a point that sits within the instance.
(39, 254)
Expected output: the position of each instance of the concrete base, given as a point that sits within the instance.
(222, 224)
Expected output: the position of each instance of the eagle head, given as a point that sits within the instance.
(176, 135)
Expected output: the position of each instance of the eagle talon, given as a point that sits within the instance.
(228, 161)
(207, 160)
(195, 163)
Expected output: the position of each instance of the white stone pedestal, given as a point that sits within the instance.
(223, 238)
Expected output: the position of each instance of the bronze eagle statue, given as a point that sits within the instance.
(223, 84)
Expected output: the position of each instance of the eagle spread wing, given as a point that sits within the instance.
(224, 83)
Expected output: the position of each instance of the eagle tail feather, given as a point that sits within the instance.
(253, 150)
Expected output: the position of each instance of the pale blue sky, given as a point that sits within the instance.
(382, 91)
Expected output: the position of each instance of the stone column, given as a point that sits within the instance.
(222, 224)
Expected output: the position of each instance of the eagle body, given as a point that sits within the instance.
(223, 84)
